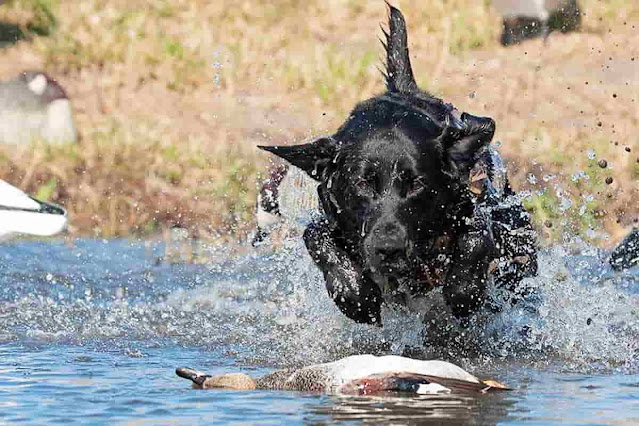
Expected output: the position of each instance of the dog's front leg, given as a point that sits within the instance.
(465, 286)
(356, 295)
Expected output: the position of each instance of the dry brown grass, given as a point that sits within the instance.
(171, 98)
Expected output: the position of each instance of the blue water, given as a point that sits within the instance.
(91, 332)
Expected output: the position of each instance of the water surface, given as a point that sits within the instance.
(91, 332)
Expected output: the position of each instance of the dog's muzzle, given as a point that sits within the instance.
(386, 249)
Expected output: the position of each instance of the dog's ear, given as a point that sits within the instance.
(462, 144)
(311, 157)
(399, 74)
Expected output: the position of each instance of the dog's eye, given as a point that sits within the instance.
(362, 184)
(366, 187)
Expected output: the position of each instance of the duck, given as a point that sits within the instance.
(285, 204)
(355, 375)
(35, 106)
(524, 19)
(20, 213)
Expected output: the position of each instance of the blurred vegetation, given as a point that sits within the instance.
(171, 97)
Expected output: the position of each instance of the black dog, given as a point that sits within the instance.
(626, 255)
(399, 215)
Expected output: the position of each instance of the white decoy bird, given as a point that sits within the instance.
(288, 198)
(356, 375)
(20, 213)
(35, 106)
(529, 18)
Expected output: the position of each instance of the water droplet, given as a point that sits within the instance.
(565, 204)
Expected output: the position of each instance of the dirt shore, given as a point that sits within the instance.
(171, 98)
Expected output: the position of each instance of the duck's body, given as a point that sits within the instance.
(288, 199)
(20, 213)
(358, 374)
(525, 19)
(540, 9)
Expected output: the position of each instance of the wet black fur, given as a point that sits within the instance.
(399, 219)
(626, 255)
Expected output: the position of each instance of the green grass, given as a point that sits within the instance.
(45, 191)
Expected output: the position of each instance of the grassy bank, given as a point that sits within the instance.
(171, 98)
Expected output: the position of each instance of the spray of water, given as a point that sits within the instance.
(270, 308)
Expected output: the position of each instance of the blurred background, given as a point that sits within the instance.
(170, 99)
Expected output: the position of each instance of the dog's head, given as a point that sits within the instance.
(392, 174)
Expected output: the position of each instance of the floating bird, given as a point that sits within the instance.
(20, 213)
(531, 18)
(287, 200)
(35, 106)
(356, 375)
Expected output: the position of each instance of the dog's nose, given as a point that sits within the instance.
(390, 242)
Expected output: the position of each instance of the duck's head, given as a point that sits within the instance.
(237, 381)
(43, 86)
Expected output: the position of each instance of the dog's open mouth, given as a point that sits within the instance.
(394, 264)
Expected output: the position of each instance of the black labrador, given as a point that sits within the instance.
(411, 200)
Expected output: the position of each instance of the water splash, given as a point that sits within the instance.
(269, 307)
(272, 309)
